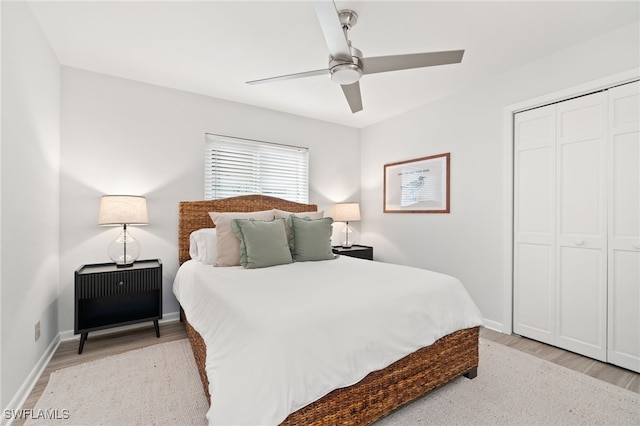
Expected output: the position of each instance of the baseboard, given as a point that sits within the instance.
(11, 412)
(166, 318)
(492, 325)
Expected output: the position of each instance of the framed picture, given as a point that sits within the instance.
(417, 186)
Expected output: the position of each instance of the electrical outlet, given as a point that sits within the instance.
(37, 330)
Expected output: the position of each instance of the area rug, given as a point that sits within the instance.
(155, 385)
(514, 388)
(159, 385)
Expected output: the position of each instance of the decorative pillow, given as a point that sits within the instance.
(262, 244)
(227, 244)
(311, 239)
(281, 214)
(202, 245)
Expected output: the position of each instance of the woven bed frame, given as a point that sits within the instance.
(381, 391)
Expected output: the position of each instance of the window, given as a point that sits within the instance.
(234, 166)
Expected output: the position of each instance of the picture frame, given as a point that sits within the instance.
(420, 185)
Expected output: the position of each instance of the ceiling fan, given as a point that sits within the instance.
(346, 63)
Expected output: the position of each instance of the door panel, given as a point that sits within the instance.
(582, 314)
(535, 189)
(534, 304)
(534, 223)
(625, 191)
(580, 193)
(624, 313)
(581, 261)
(624, 227)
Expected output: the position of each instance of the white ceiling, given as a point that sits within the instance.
(214, 47)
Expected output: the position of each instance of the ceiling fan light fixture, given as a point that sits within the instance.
(347, 64)
(345, 74)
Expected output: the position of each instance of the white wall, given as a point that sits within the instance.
(122, 136)
(467, 243)
(30, 195)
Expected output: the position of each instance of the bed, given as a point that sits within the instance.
(381, 390)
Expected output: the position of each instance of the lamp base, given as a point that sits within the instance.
(346, 243)
(124, 250)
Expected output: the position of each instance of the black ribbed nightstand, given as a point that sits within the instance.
(361, 252)
(107, 296)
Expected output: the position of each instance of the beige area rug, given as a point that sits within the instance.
(155, 385)
(514, 388)
(159, 385)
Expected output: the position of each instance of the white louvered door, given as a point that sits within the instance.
(624, 227)
(577, 225)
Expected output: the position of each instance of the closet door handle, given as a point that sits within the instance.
(579, 242)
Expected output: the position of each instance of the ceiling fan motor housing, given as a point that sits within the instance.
(345, 73)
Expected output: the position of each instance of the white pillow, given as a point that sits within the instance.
(227, 243)
(202, 245)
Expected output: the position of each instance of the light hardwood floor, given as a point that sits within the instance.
(111, 344)
(606, 372)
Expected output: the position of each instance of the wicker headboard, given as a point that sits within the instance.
(194, 215)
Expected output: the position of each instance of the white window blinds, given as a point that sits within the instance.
(235, 167)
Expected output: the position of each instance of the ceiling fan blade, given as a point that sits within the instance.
(352, 93)
(334, 35)
(414, 60)
(290, 76)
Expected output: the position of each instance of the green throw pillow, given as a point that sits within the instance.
(262, 244)
(310, 238)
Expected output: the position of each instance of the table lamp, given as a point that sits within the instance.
(346, 212)
(123, 210)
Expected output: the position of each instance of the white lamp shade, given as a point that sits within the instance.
(123, 210)
(346, 212)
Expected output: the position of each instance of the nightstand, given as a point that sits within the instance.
(107, 296)
(361, 252)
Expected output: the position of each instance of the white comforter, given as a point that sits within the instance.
(282, 337)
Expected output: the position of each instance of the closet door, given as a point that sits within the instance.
(624, 227)
(534, 223)
(581, 225)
